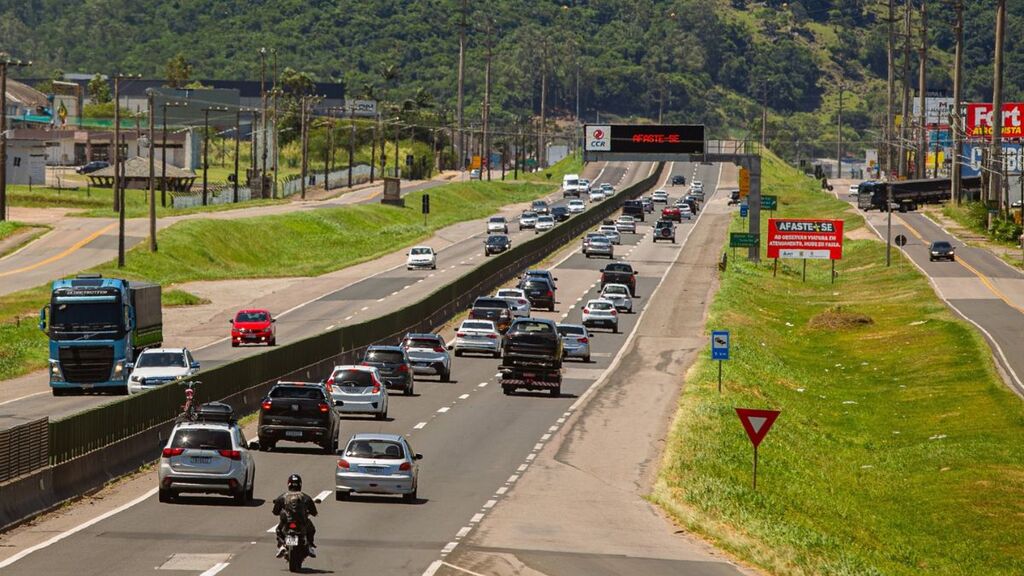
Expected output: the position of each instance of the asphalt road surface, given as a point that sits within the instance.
(474, 439)
(370, 297)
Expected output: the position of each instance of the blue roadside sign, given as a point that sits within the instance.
(720, 345)
(743, 210)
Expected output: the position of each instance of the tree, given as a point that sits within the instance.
(99, 90)
(178, 71)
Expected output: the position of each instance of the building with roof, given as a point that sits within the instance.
(135, 174)
(26, 156)
(24, 101)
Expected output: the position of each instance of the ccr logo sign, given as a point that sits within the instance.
(598, 138)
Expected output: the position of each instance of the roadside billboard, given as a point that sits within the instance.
(970, 162)
(936, 109)
(979, 120)
(805, 239)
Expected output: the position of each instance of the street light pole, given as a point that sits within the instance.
(163, 150)
(5, 62)
(206, 144)
(152, 172)
(839, 136)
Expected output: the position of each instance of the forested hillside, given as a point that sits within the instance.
(711, 61)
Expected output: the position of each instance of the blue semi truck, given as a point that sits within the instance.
(97, 327)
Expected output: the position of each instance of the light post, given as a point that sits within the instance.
(5, 62)
(163, 150)
(206, 144)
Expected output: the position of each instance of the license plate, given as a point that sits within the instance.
(293, 433)
(291, 540)
(373, 470)
(529, 375)
(200, 459)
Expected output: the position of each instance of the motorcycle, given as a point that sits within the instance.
(298, 549)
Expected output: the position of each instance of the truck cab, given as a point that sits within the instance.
(97, 327)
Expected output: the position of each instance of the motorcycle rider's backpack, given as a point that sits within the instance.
(294, 509)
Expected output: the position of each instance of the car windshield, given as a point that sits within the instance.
(421, 251)
(536, 284)
(626, 219)
(545, 219)
(297, 392)
(161, 360)
(251, 317)
(531, 326)
(942, 245)
(490, 303)
(600, 305)
(608, 228)
(498, 220)
(384, 356)
(618, 268)
(421, 343)
(571, 330)
(202, 439)
(509, 294)
(615, 290)
(497, 239)
(529, 215)
(358, 378)
(601, 240)
(477, 325)
(377, 449)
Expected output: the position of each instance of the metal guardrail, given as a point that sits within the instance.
(23, 449)
(314, 357)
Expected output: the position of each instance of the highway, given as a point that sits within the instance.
(366, 298)
(477, 443)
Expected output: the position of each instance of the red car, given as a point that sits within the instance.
(671, 213)
(253, 327)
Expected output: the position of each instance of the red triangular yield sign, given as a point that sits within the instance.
(757, 422)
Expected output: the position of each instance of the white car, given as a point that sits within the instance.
(608, 189)
(576, 206)
(158, 366)
(378, 464)
(477, 336)
(684, 211)
(596, 195)
(618, 294)
(626, 224)
(421, 257)
(584, 185)
(497, 224)
(854, 189)
(660, 196)
(518, 299)
(527, 220)
(611, 232)
(601, 313)
(544, 223)
(358, 390)
(697, 184)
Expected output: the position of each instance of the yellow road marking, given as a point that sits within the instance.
(70, 250)
(984, 279)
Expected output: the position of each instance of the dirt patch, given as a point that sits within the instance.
(862, 233)
(838, 319)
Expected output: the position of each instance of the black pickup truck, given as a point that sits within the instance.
(619, 273)
(298, 412)
(531, 356)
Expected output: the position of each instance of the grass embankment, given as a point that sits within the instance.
(98, 202)
(554, 173)
(299, 244)
(19, 234)
(898, 447)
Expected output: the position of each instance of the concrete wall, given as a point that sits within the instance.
(26, 162)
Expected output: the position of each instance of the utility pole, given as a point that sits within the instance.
(263, 117)
(905, 112)
(955, 118)
(996, 158)
(764, 114)
(488, 34)
(152, 171)
(839, 136)
(398, 136)
(276, 93)
(922, 88)
(542, 159)
(5, 63)
(352, 142)
(206, 144)
(462, 76)
(163, 150)
(302, 141)
(119, 173)
(238, 143)
(890, 93)
(329, 127)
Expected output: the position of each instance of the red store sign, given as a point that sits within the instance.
(979, 120)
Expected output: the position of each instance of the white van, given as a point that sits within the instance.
(571, 186)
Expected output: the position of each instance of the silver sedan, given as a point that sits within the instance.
(377, 464)
(575, 341)
(517, 298)
(618, 294)
(477, 336)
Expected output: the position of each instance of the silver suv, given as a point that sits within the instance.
(207, 457)
(428, 354)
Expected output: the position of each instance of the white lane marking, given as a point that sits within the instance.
(443, 409)
(580, 299)
(364, 308)
(490, 504)
(215, 569)
(545, 437)
(272, 529)
(395, 293)
(522, 467)
(331, 327)
(323, 495)
(476, 518)
(349, 317)
(501, 491)
(431, 275)
(449, 547)
(433, 568)
(463, 397)
(76, 529)
(566, 414)
(554, 428)
(571, 306)
(407, 286)
(463, 531)
(420, 280)
(381, 299)
(530, 457)
(420, 426)
(538, 447)
(512, 479)
(24, 397)
(564, 316)
(482, 385)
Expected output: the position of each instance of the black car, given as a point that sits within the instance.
(497, 310)
(634, 208)
(394, 366)
(92, 167)
(560, 213)
(298, 412)
(619, 273)
(941, 250)
(546, 274)
(678, 180)
(496, 244)
(540, 292)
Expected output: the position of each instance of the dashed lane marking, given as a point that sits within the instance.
(501, 491)
(463, 531)
(443, 409)
(323, 495)
(464, 396)
(512, 479)
(482, 385)
(530, 457)
(349, 317)
(420, 426)
(476, 518)
(364, 308)
(449, 547)
(522, 467)
(490, 504)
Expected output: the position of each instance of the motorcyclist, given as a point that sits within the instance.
(295, 506)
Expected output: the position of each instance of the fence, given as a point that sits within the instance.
(23, 449)
(314, 357)
(336, 179)
(217, 194)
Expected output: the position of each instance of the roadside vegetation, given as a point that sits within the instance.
(300, 244)
(898, 447)
(554, 173)
(18, 234)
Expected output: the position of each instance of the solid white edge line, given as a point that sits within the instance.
(433, 568)
(215, 569)
(77, 529)
(24, 397)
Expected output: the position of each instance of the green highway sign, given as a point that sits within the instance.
(743, 240)
(769, 202)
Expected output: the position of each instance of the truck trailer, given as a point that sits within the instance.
(907, 195)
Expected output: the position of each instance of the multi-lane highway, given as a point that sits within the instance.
(374, 295)
(477, 444)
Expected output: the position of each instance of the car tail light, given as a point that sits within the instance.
(169, 452)
(460, 334)
(438, 348)
(583, 340)
(324, 408)
(231, 454)
(403, 368)
(330, 384)
(292, 525)
(523, 301)
(615, 312)
(266, 404)
(376, 386)
(232, 483)
(586, 310)
(405, 466)
(492, 336)
(551, 294)
(343, 464)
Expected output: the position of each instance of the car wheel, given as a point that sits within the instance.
(587, 255)
(381, 415)
(556, 391)
(252, 489)
(615, 329)
(60, 391)
(447, 376)
(341, 495)
(273, 342)
(408, 389)
(240, 496)
(586, 359)
(458, 353)
(166, 496)
(234, 344)
(497, 353)
(411, 496)
(506, 390)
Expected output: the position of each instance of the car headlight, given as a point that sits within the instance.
(118, 368)
(55, 373)
(136, 378)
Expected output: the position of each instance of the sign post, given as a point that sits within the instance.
(756, 423)
(426, 207)
(720, 351)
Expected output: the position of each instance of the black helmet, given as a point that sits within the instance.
(295, 482)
